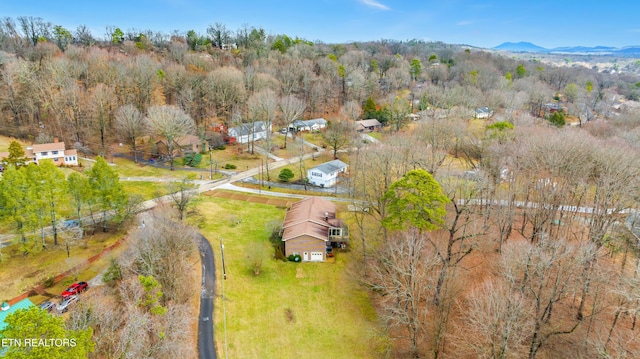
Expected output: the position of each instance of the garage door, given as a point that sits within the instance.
(317, 256)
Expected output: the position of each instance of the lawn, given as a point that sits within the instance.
(311, 310)
(19, 273)
(148, 190)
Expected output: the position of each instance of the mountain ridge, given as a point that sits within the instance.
(524, 46)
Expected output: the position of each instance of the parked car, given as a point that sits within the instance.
(48, 305)
(284, 130)
(63, 307)
(70, 223)
(75, 288)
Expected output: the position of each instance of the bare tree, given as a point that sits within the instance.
(102, 102)
(182, 193)
(225, 89)
(351, 110)
(170, 123)
(132, 125)
(496, 324)
(338, 135)
(545, 274)
(292, 109)
(401, 275)
(263, 106)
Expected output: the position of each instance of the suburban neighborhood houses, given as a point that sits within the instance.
(245, 193)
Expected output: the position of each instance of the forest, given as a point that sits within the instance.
(506, 237)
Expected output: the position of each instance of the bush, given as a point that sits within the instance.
(49, 282)
(294, 258)
(229, 166)
(285, 175)
(193, 159)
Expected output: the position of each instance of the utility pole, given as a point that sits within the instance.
(210, 164)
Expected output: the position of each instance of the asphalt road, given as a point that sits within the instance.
(206, 345)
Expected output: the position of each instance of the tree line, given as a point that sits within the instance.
(34, 197)
(74, 92)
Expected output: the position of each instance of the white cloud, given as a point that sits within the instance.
(375, 4)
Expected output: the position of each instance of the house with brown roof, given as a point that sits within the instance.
(311, 229)
(368, 125)
(187, 143)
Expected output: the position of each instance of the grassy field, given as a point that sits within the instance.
(310, 310)
(148, 190)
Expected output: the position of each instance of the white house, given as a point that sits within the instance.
(245, 132)
(483, 112)
(315, 124)
(326, 174)
(54, 151)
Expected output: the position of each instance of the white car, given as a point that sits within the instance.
(63, 307)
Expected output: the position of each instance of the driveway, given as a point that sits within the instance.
(206, 346)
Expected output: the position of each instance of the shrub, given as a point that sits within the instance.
(229, 166)
(295, 258)
(193, 159)
(49, 282)
(285, 175)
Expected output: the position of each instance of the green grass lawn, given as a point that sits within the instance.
(148, 190)
(310, 310)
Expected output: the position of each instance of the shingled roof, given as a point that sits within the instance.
(312, 216)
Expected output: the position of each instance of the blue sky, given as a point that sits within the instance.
(480, 23)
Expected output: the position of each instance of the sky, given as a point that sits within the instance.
(478, 23)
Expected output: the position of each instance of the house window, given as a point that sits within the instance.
(55, 159)
(43, 153)
(335, 231)
(316, 174)
(54, 152)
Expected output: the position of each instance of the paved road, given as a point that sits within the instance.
(206, 345)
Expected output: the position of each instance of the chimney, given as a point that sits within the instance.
(326, 216)
(55, 140)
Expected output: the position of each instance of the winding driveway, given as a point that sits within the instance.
(206, 346)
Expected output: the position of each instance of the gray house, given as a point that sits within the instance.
(247, 132)
(315, 124)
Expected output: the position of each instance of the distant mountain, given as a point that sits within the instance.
(520, 46)
(629, 51)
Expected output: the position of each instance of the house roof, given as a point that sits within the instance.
(372, 122)
(182, 141)
(71, 152)
(483, 110)
(307, 217)
(319, 121)
(309, 123)
(188, 140)
(330, 167)
(44, 147)
(23, 304)
(245, 128)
